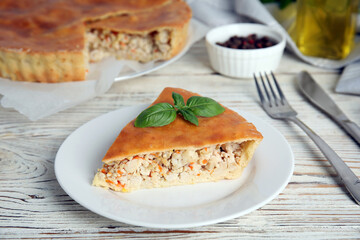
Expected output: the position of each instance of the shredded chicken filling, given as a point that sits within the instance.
(143, 48)
(171, 166)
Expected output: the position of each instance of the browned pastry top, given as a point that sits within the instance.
(175, 14)
(180, 134)
(55, 25)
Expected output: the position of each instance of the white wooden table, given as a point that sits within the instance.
(314, 205)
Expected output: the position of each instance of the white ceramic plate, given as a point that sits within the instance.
(176, 207)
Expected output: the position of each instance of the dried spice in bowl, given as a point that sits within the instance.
(249, 42)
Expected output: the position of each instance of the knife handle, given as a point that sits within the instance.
(347, 176)
(352, 129)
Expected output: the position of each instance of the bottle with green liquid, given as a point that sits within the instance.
(326, 28)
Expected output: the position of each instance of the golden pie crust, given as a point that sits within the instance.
(44, 41)
(226, 127)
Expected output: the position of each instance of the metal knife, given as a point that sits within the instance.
(319, 98)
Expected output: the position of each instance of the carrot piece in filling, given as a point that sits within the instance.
(120, 185)
(109, 181)
(191, 165)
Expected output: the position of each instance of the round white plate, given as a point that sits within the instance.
(80, 156)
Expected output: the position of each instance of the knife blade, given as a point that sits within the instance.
(317, 96)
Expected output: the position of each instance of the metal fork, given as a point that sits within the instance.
(276, 106)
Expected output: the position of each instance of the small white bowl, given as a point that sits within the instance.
(243, 63)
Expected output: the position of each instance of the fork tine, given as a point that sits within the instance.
(271, 89)
(282, 96)
(259, 90)
(266, 91)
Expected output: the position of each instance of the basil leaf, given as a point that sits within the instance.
(204, 106)
(160, 114)
(189, 116)
(178, 100)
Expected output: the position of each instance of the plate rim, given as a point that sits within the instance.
(176, 226)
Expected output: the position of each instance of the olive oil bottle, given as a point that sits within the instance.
(325, 28)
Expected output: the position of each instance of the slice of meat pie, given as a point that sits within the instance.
(158, 34)
(180, 153)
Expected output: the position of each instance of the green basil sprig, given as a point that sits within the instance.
(162, 114)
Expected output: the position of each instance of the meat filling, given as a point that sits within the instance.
(174, 167)
(143, 48)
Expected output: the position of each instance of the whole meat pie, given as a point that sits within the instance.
(179, 153)
(53, 41)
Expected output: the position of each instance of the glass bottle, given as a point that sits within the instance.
(325, 28)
